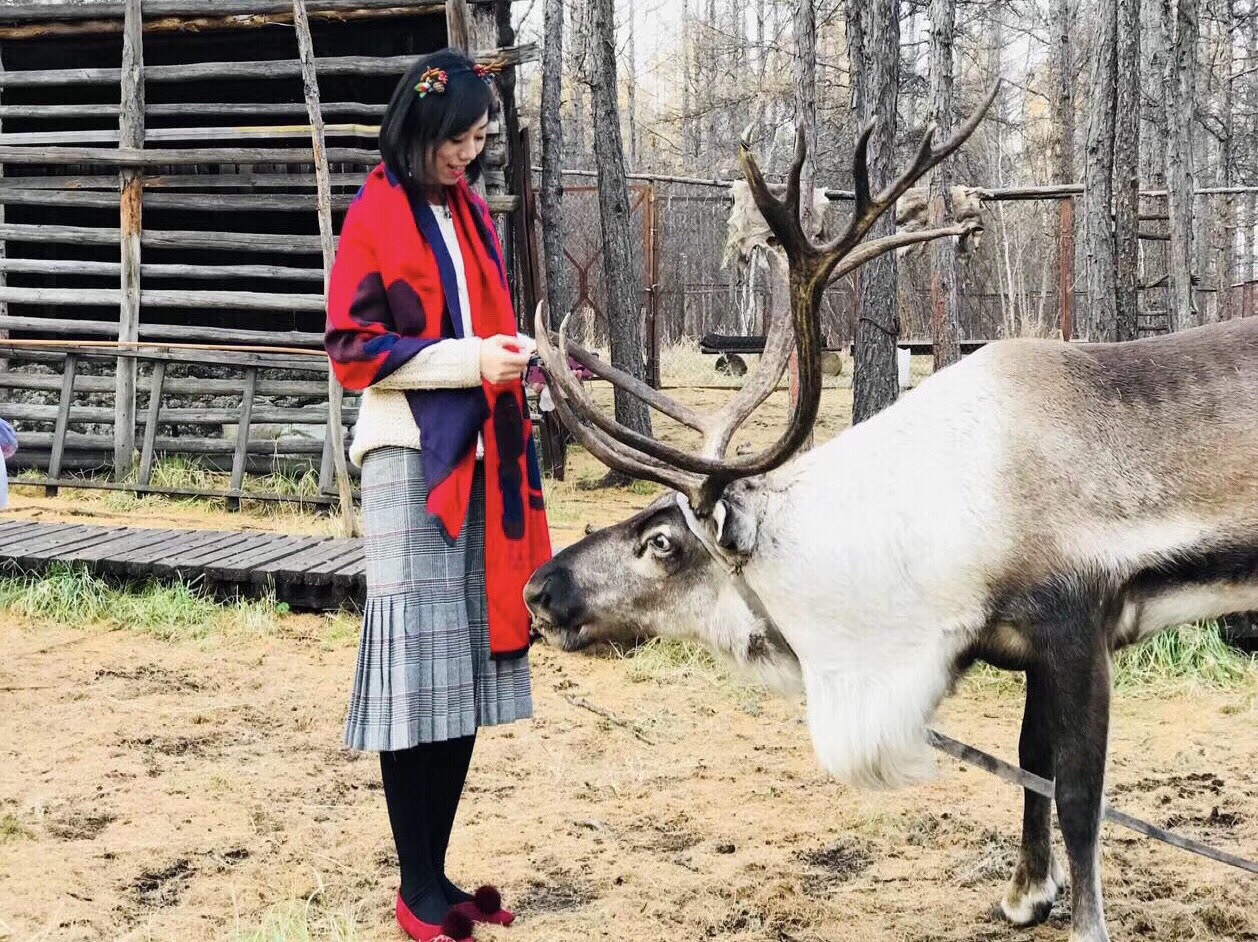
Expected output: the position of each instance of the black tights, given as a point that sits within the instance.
(422, 787)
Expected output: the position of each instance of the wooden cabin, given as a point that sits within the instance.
(159, 184)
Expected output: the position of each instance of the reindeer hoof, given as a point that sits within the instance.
(1028, 902)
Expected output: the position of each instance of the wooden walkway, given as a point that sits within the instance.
(308, 572)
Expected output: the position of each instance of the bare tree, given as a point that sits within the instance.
(1064, 115)
(945, 272)
(1098, 179)
(1179, 84)
(1127, 171)
(631, 83)
(623, 293)
(1227, 207)
(558, 295)
(875, 382)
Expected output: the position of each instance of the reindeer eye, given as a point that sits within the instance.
(660, 544)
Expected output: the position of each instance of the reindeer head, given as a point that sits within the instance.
(667, 570)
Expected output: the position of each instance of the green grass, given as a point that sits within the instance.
(1178, 658)
(177, 611)
(1193, 654)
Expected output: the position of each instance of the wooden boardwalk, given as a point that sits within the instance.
(308, 572)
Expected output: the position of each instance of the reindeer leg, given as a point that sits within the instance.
(1038, 877)
(1080, 695)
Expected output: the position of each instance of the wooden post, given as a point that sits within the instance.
(652, 289)
(335, 431)
(131, 135)
(1066, 272)
(156, 382)
(63, 422)
(458, 25)
(241, 455)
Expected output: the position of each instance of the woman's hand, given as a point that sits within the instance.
(503, 358)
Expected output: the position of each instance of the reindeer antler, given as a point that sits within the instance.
(702, 476)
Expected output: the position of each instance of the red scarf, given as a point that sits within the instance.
(394, 292)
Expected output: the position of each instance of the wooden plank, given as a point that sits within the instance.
(156, 383)
(11, 528)
(182, 157)
(166, 239)
(238, 567)
(225, 551)
(207, 202)
(102, 415)
(86, 328)
(227, 180)
(22, 550)
(63, 420)
(182, 444)
(242, 437)
(325, 571)
(292, 568)
(353, 571)
(141, 562)
(53, 266)
(265, 132)
(295, 388)
(85, 540)
(185, 558)
(18, 11)
(57, 350)
(509, 56)
(115, 548)
(223, 300)
(224, 108)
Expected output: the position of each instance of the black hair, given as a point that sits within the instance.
(414, 126)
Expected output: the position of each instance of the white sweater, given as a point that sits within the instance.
(384, 417)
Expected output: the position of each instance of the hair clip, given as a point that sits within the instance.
(433, 80)
(488, 70)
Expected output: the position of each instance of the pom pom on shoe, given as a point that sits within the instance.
(487, 899)
(457, 925)
(486, 906)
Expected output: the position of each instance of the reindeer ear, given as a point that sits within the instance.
(736, 526)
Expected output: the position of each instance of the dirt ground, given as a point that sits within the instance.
(198, 790)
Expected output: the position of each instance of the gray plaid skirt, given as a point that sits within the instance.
(424, 672)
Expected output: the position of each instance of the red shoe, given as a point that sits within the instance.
(486, 906)
(457, 926)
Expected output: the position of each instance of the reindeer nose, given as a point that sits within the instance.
(549, 594)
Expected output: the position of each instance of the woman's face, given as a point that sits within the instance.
(448, 161)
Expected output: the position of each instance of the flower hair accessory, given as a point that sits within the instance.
(487, 71)
(433, 80)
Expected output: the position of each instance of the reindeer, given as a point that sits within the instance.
(1037, 506)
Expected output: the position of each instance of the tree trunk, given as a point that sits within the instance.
(689, 147)
(1153, 156)
(804, 80)
(1098, 178)
(1127, 171)
(875, 383)
(945, 327)
(631, 86)
(558, 293)
(581, 69)
(1064, 115)
(623, 290)
(856, 18)
(1180, 86)
(1227, 208)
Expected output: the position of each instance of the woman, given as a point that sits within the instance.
(420, 319)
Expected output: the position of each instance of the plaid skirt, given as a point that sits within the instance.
(424, 672)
